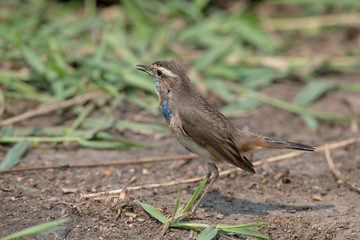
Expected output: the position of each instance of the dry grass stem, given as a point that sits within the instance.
(336, 172)
(102, 164)
(50, 107)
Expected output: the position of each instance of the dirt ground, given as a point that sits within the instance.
(282, 193)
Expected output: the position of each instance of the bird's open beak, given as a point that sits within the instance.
(143, 68)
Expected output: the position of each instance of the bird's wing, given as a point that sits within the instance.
(212, 131)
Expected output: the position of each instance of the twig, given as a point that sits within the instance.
(154, 185)
(101, 195)
(46, 108)
(312, 236)
(336, 172)
(326, 229)
(102, 164)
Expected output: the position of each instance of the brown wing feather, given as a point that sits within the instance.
(211, 130)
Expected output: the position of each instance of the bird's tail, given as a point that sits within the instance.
(279, 144)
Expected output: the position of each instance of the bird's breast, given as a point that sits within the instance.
(194, 147)
(187, 141)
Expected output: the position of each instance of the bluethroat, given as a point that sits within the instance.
(201, 128)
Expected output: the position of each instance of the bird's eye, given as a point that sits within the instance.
(159, 73)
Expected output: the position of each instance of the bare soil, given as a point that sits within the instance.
(283, 193)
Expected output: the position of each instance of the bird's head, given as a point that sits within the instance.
(169, 77)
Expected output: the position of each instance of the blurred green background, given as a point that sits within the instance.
(79, 57)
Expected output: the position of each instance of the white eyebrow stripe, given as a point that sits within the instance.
(167, 72)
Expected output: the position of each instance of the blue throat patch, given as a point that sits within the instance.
(158, 88)
(164, 107)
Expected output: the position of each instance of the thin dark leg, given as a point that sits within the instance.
(212, 170)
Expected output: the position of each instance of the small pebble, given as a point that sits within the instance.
(107, 172)
(133, 179)
(129, 214)
(232, 176)
(66, 190)
(340, 181)
(123, 195)
(59, 232)
(220, 216)
(317, 198)
(316, 188)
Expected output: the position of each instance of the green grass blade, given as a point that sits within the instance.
(138, 20)
(195, 195)
(59, 58)
(176, 207)
(309, 120)
(9, 139)
(153, 212)
(99, 123)
(101, 50)
(350, 86)
(201, 4)
(153, 108)
(239, 107)
(7, 130)
(85, 111)
(16, 84)
(35, 229)
(33, 60)
(313, 91)
(220, 89)
(27, 188)
(250, 31)
(215, 53)
(208, 233)
(138, 80)
(136, 126)
(108, 144)
(288, 106)
(31, 131)
(189, 225)
(254, 224)
(245, 231)
(29, 96)
(14, 155)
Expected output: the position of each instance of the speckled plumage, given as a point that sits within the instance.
(200, 127)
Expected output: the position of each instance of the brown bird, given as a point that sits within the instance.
(201, 128)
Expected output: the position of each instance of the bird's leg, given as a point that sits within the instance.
(212, 170)
(208, 176)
